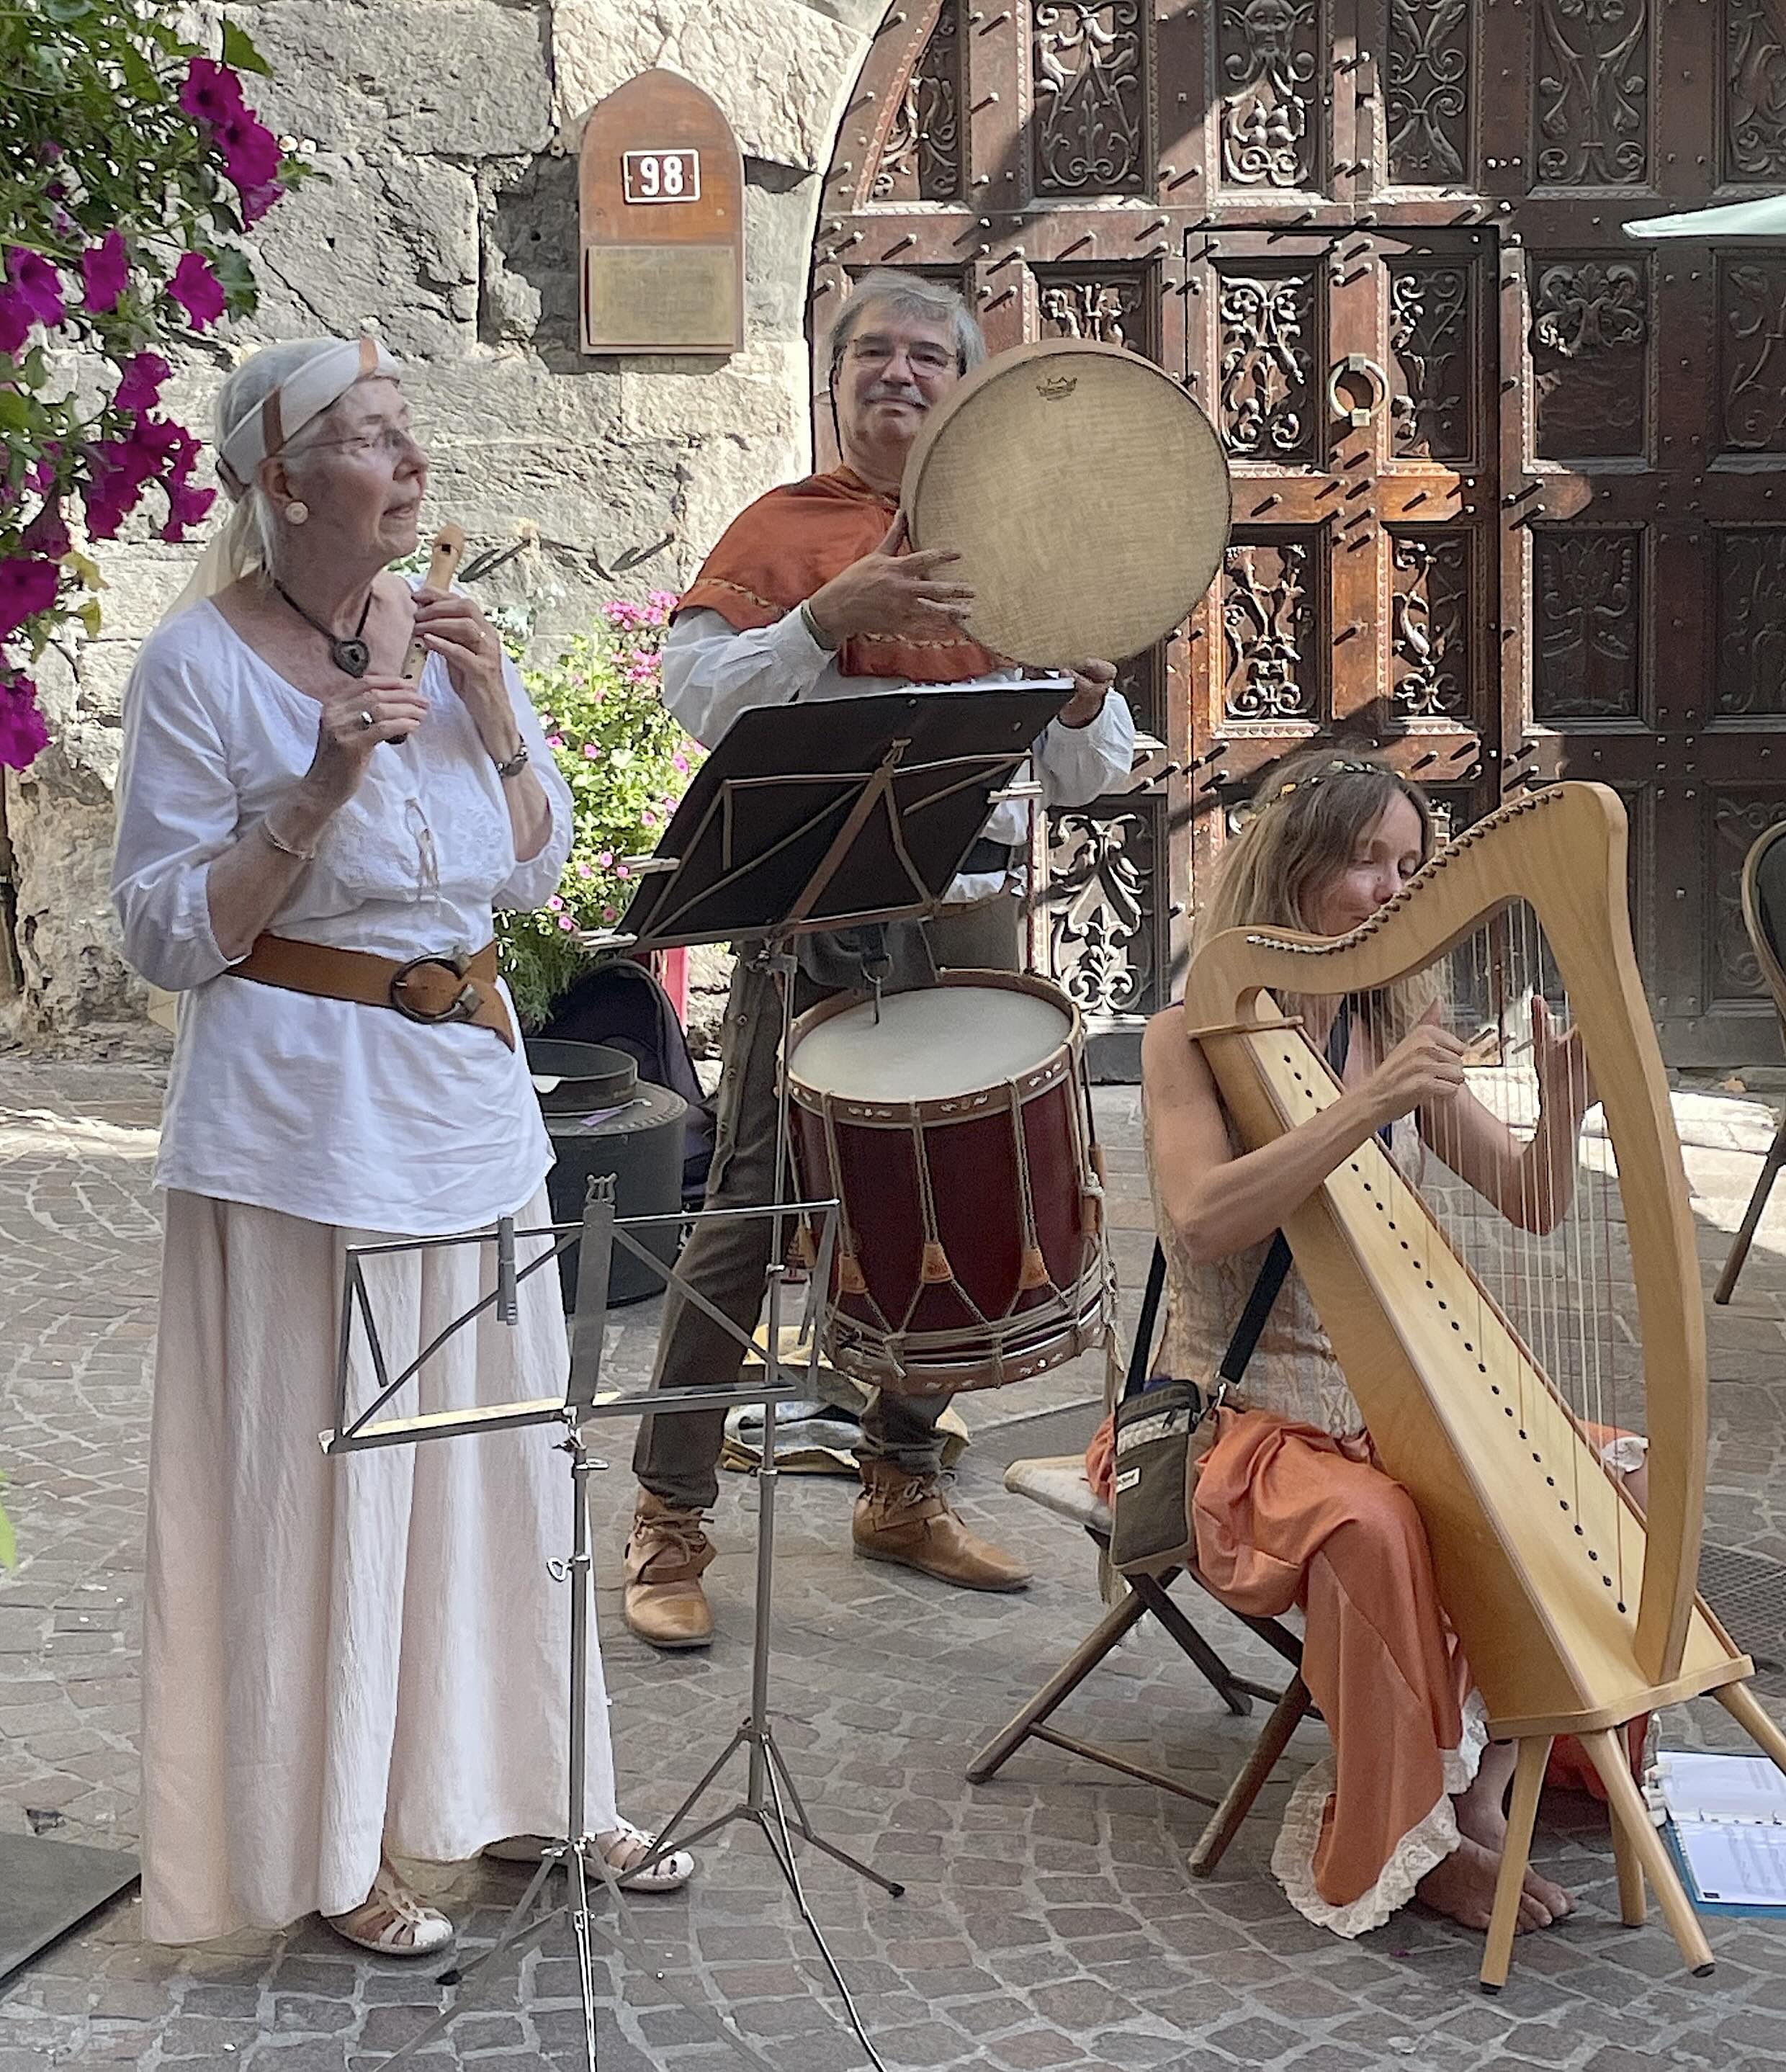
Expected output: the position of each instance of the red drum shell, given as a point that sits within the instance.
(949, 1205)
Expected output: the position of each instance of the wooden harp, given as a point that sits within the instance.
(1576, 1613)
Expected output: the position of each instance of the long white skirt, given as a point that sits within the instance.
(344, 1656)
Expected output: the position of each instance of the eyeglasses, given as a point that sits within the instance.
(394, 442)
(922, 359)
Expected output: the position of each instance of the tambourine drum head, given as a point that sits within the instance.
(1086, 495)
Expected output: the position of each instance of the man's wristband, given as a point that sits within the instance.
(817, 632)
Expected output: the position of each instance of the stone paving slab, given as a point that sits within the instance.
(1048, 1919)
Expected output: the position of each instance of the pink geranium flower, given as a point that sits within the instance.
(105, 271)
(27, 586)
(212, 92)
(197, 289)
(23, 735)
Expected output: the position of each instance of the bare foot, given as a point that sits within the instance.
(1462, 1888)
(1479, 1819)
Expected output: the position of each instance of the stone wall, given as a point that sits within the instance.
(449, 131)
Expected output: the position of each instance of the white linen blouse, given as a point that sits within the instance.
(327, 1109)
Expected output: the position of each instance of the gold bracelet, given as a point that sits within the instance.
(284, 848)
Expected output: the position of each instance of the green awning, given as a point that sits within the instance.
(1764, 218)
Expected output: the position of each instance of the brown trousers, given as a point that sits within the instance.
(677, 1458)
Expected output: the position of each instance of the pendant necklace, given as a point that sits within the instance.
(349, 653)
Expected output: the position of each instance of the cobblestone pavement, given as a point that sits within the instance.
(1048, 1919)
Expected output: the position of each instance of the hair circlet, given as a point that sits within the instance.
(1344, 766)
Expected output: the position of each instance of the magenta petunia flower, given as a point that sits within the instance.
(27, 586)
(37, 285)
(555, 741)
(23, 734)
(583, 870)
(567, 924)
(257, 201)
(46, 534)
(186, 508)
(212, 92)
(555, 905)
(144, 374)
(105, 271)
(15, 320)
(197, 289)
(605, 859)
(591, 751)
(249, 149)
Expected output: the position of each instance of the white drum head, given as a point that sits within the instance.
(933, 1044)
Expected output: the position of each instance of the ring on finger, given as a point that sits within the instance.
(366, 720)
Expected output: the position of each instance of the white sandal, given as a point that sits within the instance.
(622, 1846)
(392, 1920)
(628, 1845)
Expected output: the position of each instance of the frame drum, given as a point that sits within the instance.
(1085, 493)
(956, 1132)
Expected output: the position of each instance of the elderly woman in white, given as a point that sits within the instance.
(344, 1660)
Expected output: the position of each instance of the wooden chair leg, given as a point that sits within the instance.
(1751, 1217)
(1224, 1823)
(1535, 1753)
(1607, 1753)
(1072, 1673)
(1221, 1679)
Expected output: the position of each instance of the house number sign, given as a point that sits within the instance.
(661, 204)
(666, 176)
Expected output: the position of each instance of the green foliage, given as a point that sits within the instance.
(627, 763)
(131, 168)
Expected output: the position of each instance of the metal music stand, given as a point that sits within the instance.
(805, 819)
(787, 830)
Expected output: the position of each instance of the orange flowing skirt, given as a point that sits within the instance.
(1287, 1515)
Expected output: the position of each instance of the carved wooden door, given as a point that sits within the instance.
(1350, 373)
(1506, 482)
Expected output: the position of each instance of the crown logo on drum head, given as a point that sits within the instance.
(1056, 388)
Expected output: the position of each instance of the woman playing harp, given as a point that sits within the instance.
(1292, 1507)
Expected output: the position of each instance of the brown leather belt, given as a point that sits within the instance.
(426, 989)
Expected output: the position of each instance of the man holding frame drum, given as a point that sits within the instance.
(811, 593)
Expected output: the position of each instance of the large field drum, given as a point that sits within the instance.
(956, 1131)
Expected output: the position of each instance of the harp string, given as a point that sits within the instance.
(1559, 1290)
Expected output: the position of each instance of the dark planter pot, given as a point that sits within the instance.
(603, 1120)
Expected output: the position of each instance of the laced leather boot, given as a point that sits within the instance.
(905, 1519)
(665, 1555)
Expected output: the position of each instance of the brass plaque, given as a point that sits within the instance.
(660, 298)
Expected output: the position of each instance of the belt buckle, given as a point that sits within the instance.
(462, 1007)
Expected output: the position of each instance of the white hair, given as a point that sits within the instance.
(909, 294)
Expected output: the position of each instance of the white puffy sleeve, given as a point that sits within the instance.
(712, 673)
(1076, 764)
(178, 810)
(531, 883)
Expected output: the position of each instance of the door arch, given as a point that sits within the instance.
(1556, 543)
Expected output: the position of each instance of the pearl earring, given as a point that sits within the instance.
(296, 512)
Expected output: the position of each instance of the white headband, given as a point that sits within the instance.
(322, 380)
